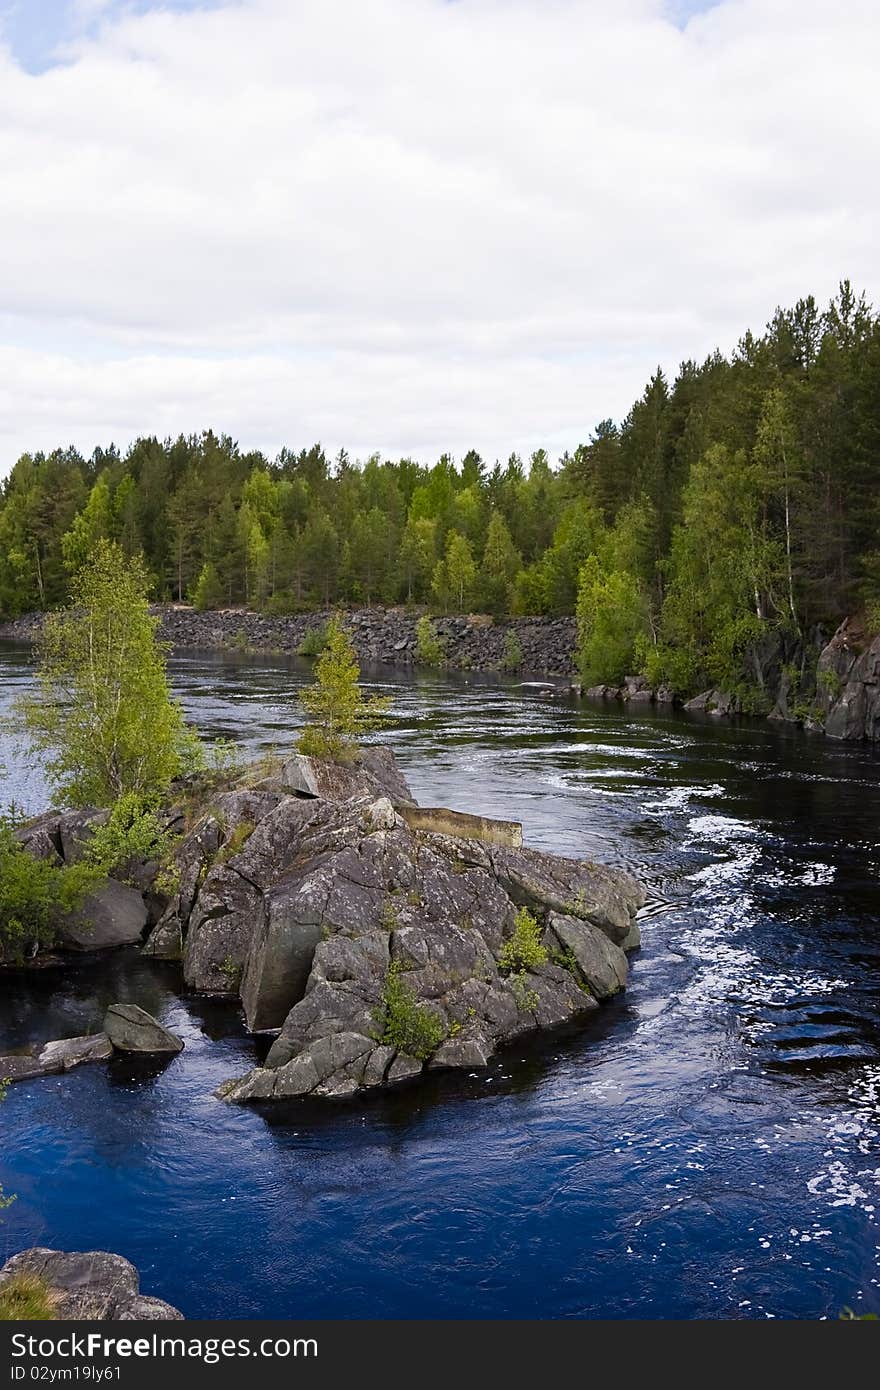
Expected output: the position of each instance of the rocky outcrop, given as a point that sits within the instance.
(338, 887)
(94, 1286)
(717, 702)
(371, 935)
(849, 684)
(131, 1029)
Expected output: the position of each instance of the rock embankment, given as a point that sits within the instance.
(93, 1286)
(380, 635)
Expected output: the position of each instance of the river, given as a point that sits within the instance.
(709, 1146)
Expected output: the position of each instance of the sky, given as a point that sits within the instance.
(412, 226)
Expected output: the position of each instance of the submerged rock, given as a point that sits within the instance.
(131, 1029)
(94, 1286)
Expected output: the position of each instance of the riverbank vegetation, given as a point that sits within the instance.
(737, 499)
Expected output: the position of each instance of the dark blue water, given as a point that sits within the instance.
(708, 1147)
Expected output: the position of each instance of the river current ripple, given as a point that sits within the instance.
(709, 1146)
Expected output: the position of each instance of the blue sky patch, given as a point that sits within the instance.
(36, 29)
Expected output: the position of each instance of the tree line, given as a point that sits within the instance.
(739, 498)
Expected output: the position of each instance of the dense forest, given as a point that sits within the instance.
(740, 498)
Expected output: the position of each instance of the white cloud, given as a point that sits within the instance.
(414, 225)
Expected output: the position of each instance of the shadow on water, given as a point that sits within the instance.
(705, 1146)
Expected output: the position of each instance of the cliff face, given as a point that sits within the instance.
(849, 684)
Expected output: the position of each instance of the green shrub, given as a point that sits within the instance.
(26, 1298)
(526, 998)
(133, 833)
(32, 892)
(523, 950)
(404, 1022)
(512, 656)
(223, 756)
(830, 683)
(430, 647)
(314, 641)
(238, 838)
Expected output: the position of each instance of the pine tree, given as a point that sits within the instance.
(338, 713)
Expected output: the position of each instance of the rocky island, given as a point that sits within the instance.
(373, 936)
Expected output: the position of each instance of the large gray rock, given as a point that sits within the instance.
(374, 773)
(848, 682)
(281, 951)
(609, 898)
(94, 1286)
(601, 963)
(112, 915)
(227, 911)
(75, 830)
(131, 1029)
(72, 1052)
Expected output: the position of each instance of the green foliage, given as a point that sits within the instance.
(568, 961)
(208, 593)
(26, 1298)
(611, 617)
(103, 716)
(232, 970)
(223, 757)
(132, 833)
(523, 949)
(526, 997)
(314, 641)
(501, 564)
(512, 655)
(404, 1023)
(430, 647)
(32, 893)
(338, 712)
(830, 683)
(237, 840)
(455, 575)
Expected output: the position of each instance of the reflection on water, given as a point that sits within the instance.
(707, 1146)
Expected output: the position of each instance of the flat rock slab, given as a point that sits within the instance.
(439, 820)
(90, 1286)
(54, 1057)
(132, 1029)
